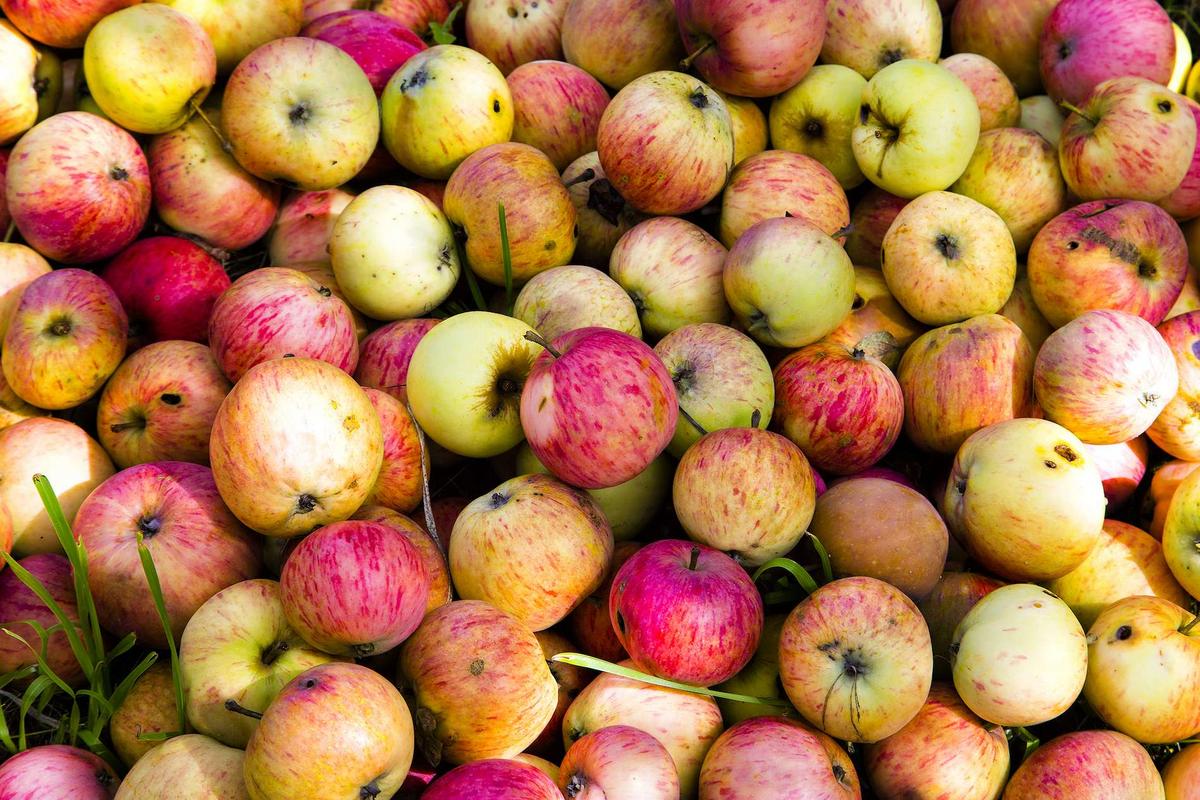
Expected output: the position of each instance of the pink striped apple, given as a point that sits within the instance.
(641, 36)
(304, 225)
(1121, 466)
(436, 568)
(512, 33)
(60, 23)
(1087, 765)
(376, 42)
(516, 781)
(385, 353)
(557, 106)
(19, 605)
(868, 35)
(399, 483)
(618, 763)
(19, 265)
(191, 765)
(777, 183)
(54, 771)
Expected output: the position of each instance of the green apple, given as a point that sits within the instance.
(48, 83)
(442, 105)
(917, 129)
(147, 66)
(817, 117)
(465, 380)
(1181, 533)
(18, 97)
(372, 229)
(237, 27)
(1042, 115)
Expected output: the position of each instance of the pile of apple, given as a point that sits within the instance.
(508, 419)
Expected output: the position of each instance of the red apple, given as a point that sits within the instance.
(952, 597)
(516, 781)
(511, 33)
(18, 605)
(385, 353)
(57, 772)
(304, 225)
(1087, 765)
(436, 568)
(1121, 466)
(869, 222)
(777, 183)
(1184, 202)
(556, 107)
(60, 23)
(400, 478)
(377, 42)
(1006, 32)
(618, 763)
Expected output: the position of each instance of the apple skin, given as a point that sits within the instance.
(1021, 309)
(593, 387)
(538, 211)
(1175, 429)
(672, 269)
(721, 379)
(859, 413)
(817, 116)
(1042, 115)
(601, 214)
(78, 188)
(618, 763)
(19, 93)
(1121, 466)
(378, 44)
(952, 597)
(533, 547)
(357, 731)
(19, 266)
(237, 29)
(385, 354)
(1015, 173)
(467, 656)
(870, 632)
(57, 771)
(557, 106)
(399, 484)
(414, 14)
(1006, 33)
(239, 646)
(1184, 202)
(1164, 482)
(268, 427)
(20, 605)
(868, 35)
(640, 37)
(945, 751)
(767, 758)
(436, 568)
(777, 183)
(1132, 253)
(686, 724)
(148, 708)
(590, 624)
(666, 117)
(1125, 562)
(59, 23)
(1024, 499)
(299, 83)
(67, 335)
(759, 678)
(995, 94)
(304, 225)
(752, 49)
(191, 765)
(1085, 42)
(870, 220)
(873, 313)
(562, 299)
(148, 65)
(749, 126)
(570, 680)
(511, 779)
(512, 34)
(1086, 765)
(1134, 140)
(925, 146)
(167, 285)
(1137, 376)
(1180, 775)
(961, 378)
(432, 121)
(274, 312)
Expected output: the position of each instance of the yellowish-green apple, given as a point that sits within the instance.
(148, 708)
(148, 66)
(237, 27)
(441, 106)
(749, 126)
(1025, 500)
(997, 99)
(465, 380)
(564, 298)
(191, 765)
(18, 95)
(777, 183)
(788, 283)
(1180, 534)
(917, 129)
(869, 35)
(1019, 656)
(817, 117)
(1041, 114)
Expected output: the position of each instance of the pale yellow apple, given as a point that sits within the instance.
(1181, 532)
(1041, 114)
(236, 27)
(1183, 60)
(192, 766)
(817, 117)
(749, 125)
(18, 97)
(562, 299)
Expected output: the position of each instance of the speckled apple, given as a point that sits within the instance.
(1121, 466)
(565, 298)
(870, 219)
(57, 770)
(19, 265)
(60, 23)
(601, 214)
(385, 354)
(618, 763)
(148, 708)
(20, 605)
(749, 126)
(512, 33)
(776, 183)
(995, 94)
(436, 568)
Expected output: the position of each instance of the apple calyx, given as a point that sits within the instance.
(695, 556)
(138, 421)
(947, 245)
(605, 200)
(300, 114)
(890, 56)
(370, 791)
(686, 63)
(149, 525)
(541, 342)
(575, 786)
(238, 708)
(61, 326)
(273, 651)
(362, 650)
(305, 503)
(755, 417)
(582, 177)
(699, 98)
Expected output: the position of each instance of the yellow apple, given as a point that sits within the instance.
(18, 97)
(817, 117)
(237, 27)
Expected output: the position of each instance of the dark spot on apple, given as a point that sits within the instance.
(495, 106)
(305, 503)
(498, 499)
(362, 650)
(575, 734)
(308, 683)
(683, 377)
(300, 113)
(1146, 269)
(59, 327)
(891, 56)
(830, 649)
(289, 355)
(170, 398)
(813, 129)
(324, 291)
(839, 773)
(620, 621)
(1148, 399)
(512, 12)
(40, 86)
(1196, 348)
(104, 778)
(852, 665)
(960, 486)
(605, 201)
(1165, 106)
(118, 174)
(477, 667)
(947, 245)
(1064, 51)
(699, 98)
(416, 80)
(272, 653)
(550, 245)
(575, 786)
(1050, 464)
(1072, 245)
(149, 525)
(1124, 632)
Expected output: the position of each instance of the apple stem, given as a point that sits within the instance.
(842, 231)
(124, 426)
(695, 557)
(426, 498)
(582, 177)
(686, 63)
(8, 234)
(692, 421)
(1187, 629)
(1074, 109)
(225, 145)
(238, 708)
(538, 340)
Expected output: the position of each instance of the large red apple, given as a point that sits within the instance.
(19, 605)
(378, 43)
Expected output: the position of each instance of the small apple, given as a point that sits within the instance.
(1164, 482)
(618, 763)
(563, 299)
(304, 225)
(399, 485)
(1175, 428)
(20, 606)
(1086, 765)
(1180, 774)
(191, 765)
(995, 94)
(870, 220)
(512, 33)
(869, 35)
(148, 708)
(817, 116)
(1042, 115)
(52, 771)
(557, 106)
(1121, 466)
(776, 183)
(640, 37)
(1007, 33)
(385, 354)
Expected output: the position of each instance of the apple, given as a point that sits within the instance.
(512, 34)
(382, 221)
(1007, 33)
(759, 678)
(874, 317)
(191, 765)
(672, 269)
(300, 112)
(1164, 482)
(563, 299)
(167, 285)
(817, 116)
(416, 15)
(995, 94)
(48, 83)
(1125, 562)
(618, 763)
(919, 127)
(749, 126)
(1024, 499)
(78, 188)
(1086, 42)
(149, 66)
(592, 387)
(436, 568)
(1021, 309)
(570, 680)
(590, 623)
(666, 117)
(868, 35)
(72, 461)
(1042, 115)
(1015, 173)
(58, 23)
(686, 724)
(18, 95)
(1086, 765)
(20, 606)
(264, 435)
(776, 183)
(1174, 430)
(52, 771)
(952, 597)
(479, 778)
(238, 646)
(557, 106)
(465, 380)
(601, 214)
(385, 354)
(238, 28)
(148, 708)
(1137, 377)
(751, 49)
(19, 266)
(870, 220)
(200, 189)
(788, 283)
(467, 656)
(304, 225)
(1179, 529)
(357, 734)
(377, 43)
(721, 379)
(961, 378)
(1121, 466)
(855, 659)
(1179, 774)
(1133, 139)
(444, 104)
(842, 406)
(1184, 201)
(640, 37)
(399, 485)
(539, 214)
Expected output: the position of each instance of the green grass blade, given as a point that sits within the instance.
(161, 606)
(106, 708)
(600, 665)
(69, 627)
(806, 581)
(36, 688)
(93, 743)
(123, 688)
(506, 255)
(40, 654)
(823, 554)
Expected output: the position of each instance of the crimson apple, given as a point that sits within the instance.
(19, 605)
(556, 107)
(57, 772)
(378, 43)
(485, 778)
(385, 353)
